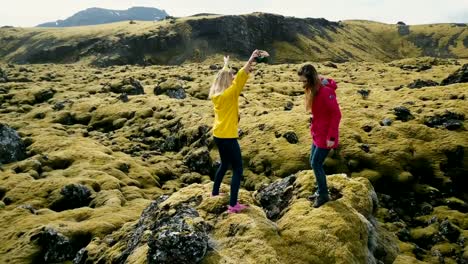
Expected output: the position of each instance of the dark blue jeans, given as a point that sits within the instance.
(230, 153)
(317, 158)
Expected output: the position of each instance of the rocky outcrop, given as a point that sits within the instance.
(402, 113)
(422, 83)
(171, 88)
(128, 86)
(12, 147)
(72, 196)
(448, 120)
(460, 76)
(3, 76)
(190, 226)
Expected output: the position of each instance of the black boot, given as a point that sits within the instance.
(320, 200)
(313, 196)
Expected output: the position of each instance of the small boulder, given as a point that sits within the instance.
(364, 93)
(130, 86)
(200, 161)
(73, 196)
(386, 122)
(288, 106)
(3, 76)
(418, 83)
(275, 197)
(178, 238)
(12, 148)
(460, 76)
(448, 120)
(171, 88)
(402, 113)
(330, 64)
(291, 137)
(55, 246)
(450, 231)
(43, 95)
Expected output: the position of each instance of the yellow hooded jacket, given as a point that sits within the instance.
(226, 108)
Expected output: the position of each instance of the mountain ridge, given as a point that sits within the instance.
(96, 16)
(200, 38)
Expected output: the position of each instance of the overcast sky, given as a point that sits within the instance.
(27, 13)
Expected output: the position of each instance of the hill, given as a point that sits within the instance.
(199, 38)
(96, 16)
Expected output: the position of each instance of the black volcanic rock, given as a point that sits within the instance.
(402, 113)
(12, 147)
(96, 16)
(460, 76)
(422, 83)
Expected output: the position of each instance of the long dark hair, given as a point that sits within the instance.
(312, 84)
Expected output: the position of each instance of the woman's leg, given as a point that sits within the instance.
(224, 153)
(237, 171)
(317, 159)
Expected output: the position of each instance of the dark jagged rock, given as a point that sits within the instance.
(403, 30)
(55, 247)
(3, 76)
(449, 120)
(331, 65)
(171, 143)
(418, 68)
(200, 161)
(364, 93)
(275, 197)
(291, 137)
(130, 86)
(171, 89)
(289, 106)
(145, 223)
(176, 239)
(12, 148)
(402, 113)
(81, 256)
(460, 76)
(365, 147)
(367, 128)
(123, 97)
(455, 168)
(43, 95)
(58, 106)
(177, 234)
(422, 83)
(449, 231)
(73, 196)
(386, 122)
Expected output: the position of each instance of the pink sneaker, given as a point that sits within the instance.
(236, 208)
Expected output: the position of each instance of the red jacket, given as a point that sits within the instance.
(326, 115)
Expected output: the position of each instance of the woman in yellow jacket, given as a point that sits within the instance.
(224, 94)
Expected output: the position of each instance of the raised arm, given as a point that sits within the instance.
(241, 77)
(248, 64)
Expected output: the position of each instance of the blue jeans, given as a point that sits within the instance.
(317, 158)
(230, 153)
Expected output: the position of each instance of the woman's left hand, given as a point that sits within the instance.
(330, 143)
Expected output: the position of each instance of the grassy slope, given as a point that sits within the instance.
(354, 41)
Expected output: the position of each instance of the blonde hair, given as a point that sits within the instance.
(222, 81)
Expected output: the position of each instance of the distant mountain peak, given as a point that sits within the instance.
(97, 16)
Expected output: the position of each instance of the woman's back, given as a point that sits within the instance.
(226, 108)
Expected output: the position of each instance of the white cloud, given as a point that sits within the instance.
(31, 13)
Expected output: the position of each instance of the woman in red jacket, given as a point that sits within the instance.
(320, 101)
